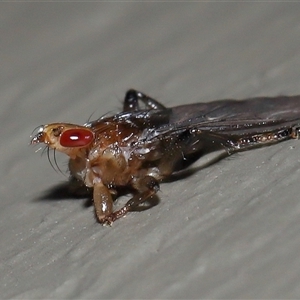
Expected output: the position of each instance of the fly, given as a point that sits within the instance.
(141, 146)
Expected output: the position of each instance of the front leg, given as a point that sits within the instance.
(132, 98)
(146, 186)
(103, 202)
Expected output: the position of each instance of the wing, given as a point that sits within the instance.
(236, 117)
(233, 123)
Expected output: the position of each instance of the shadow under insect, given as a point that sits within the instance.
(76, 190)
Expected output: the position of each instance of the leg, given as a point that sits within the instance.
(263, 139)
(132, 98)
(103, 202)
(147, 187)
(295, 132)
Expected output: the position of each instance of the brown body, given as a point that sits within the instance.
(140, 147)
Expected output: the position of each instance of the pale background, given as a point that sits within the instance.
(229, 231)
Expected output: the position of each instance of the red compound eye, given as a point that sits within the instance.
(76, 137)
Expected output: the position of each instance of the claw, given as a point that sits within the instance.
(107, 221)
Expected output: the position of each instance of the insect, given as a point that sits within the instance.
(141, 146)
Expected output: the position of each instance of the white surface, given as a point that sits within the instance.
(229, 231)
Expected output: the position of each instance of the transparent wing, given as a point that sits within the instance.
(233, 117)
